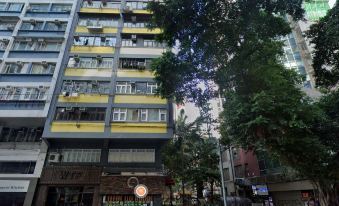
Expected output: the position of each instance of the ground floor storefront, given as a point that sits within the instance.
(89, 186)
(17, 191)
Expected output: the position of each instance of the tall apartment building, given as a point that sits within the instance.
(33, 36)
(106, 127)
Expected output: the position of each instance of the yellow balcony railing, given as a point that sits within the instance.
(139, 99)
(105, 30)
(92, 49)
(88, 72)
(126, 127)
(141, 31)
(135, 73)
(100, 10)
(85, 98)
(77, 127)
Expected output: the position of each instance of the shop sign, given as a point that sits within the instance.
(14, 185)
(260, 189)
(141, 191)
(127, 200)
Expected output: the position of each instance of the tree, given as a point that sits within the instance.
(190, 157)
(234, 44)
(325, 37)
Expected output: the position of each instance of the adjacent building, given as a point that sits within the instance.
(33, 36)
(105, 126)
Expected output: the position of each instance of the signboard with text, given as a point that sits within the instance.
(14, 185)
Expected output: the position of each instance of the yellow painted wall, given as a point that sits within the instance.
(100, 10)
(92, 49)
(139, 99)
(141, 11)
(105, 30)
(82, 127)
(141, 31)
(138, 127)
(142, 51)
(88, 72)
(135, 73)
(85, 98)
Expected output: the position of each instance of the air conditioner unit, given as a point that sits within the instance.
(20, 63)
(99, 58)
(76, 58)
(54, 157)
(75, 94)
(89, 2)
(134, 37)
(28, 8)
(41, 40)
(76, 38)
(127, 9)
(5, 40)
(41, 87)
(29, 39)
(8, 87)
(103, 39)
(95, 28)
(57, 22)
(134, 19)
(104, 2)
(10, 27)
(65, 94)
(44, 64)
(32, 21)
(141, 65)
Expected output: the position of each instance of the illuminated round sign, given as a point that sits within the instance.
(141, 191)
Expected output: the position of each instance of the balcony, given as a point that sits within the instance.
(84, 98)
(22, 105)
(142, 30)
(93, 49)
(100, 7)
(86, 72)
(126, 127)
(81, 127)
(139, 99)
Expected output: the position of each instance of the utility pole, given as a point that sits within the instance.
(222, 174)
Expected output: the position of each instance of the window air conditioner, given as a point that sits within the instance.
(127, 9)
(29, 39)
(57, 22)
(83, 109)
(75, 94)
(10, 27)
(41, 87)
(76, 38)
(32, 21)
(69, 109)
(8, 87)
(5, 40)
(134, 37)
(41, 40)
(20, 63)
(141, 65)
(76, 58)
(65, 94)
(54, 157)
(44, 64)
(99, 58)
(104, 2)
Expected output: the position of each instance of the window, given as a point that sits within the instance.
(15, 7)
(123, 88)
(39, 7)
(61, 7)
(128, 43)
(35, 94)
(23, 45)
(24, 134)
(136, 115)
(49, 46)
(66, 196)
(137, 5)
(7, 25)
(18, 167)
(239, 171)
(119, 114)
(80, 155)
(134, 63)
(2, 6)
(152, 43)
(42, 68)
(151, 88)
(94, 41)
(31, 26)
(84, 62)
(87, 87)
(56, 26)
(98, 22)
(80, 114)
(135, 24)
(12, 68)
(131, 156)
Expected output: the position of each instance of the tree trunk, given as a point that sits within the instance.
(212, 191)
(183, 192)
(330, 193)
(200, 188)
(171, 195)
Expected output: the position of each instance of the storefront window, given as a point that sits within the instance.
(12, 198)
(66, 196)
(127, 200)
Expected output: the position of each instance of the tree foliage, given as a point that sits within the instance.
(325, 37)
(235, 45)
(190, 157)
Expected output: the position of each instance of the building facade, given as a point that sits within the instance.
(33, 36)
(106, 127)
